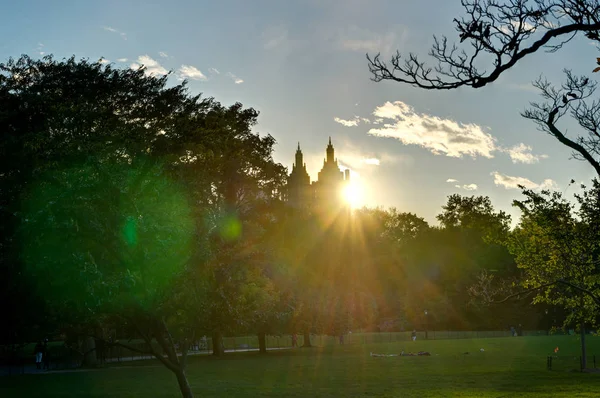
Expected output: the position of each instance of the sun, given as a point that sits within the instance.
(353, 194)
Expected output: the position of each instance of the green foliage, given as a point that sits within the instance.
(133, 201)
(102, 237)
(557, 245)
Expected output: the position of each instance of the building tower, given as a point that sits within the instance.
(299, 193)
(331, 182)
(324, 195)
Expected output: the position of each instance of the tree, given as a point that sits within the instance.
(557, 245)
(498, 36)
(109, 241)
(113, 188)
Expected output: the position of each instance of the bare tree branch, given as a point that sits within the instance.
(527, 292)
(572, 97)
(500, 35)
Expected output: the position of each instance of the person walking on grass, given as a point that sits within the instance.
(39, 352)
(413, 335)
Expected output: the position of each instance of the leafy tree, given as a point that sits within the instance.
(403, 227)
(496, 37)
(557, 245)
(130, 201)
(444, 262)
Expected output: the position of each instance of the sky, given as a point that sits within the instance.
(302, 65)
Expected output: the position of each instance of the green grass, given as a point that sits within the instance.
(508, 367)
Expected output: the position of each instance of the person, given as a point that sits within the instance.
(513, 333)
(38, 351)
(413, 335)
(520, 330)
(294, 340)
(341, 338)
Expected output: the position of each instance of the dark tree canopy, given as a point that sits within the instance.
(127, 199)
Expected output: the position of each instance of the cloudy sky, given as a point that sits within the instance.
(302, 65)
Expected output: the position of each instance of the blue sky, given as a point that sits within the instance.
(302, 65)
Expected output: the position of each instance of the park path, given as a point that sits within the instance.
(31, 368)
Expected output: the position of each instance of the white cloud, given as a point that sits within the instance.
(372, 161)
(151, 66)
(352, 122)
(511, 182)
(451, 180)
(121, 59)
(190, 72)
(525, 27)
(113, 30)
(522, 154)
(214, 70)
(163, 54)
(347, 123)
(235, 79)
(104, 61)
(548, 184)
(440, 136)
(470, 187)
(357, 158)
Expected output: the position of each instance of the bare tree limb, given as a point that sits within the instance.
(503, 33)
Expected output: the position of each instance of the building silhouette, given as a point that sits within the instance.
(323, 195)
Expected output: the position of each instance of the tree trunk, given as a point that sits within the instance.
(88, 348)
(217, 344)
(262, 343)
(307, 339)
(583, 348)
(184, 353)
(184, 386)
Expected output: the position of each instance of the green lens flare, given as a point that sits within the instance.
(231, 228)
(130, 231)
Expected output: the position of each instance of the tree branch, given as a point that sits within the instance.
(495, 29)
(571, 144)
(558, 281)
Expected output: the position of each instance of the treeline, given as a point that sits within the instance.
(130, 204)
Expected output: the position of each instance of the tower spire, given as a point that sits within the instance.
(299, 158)
(330, 152)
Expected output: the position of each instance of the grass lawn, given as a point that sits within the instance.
(509, 367)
